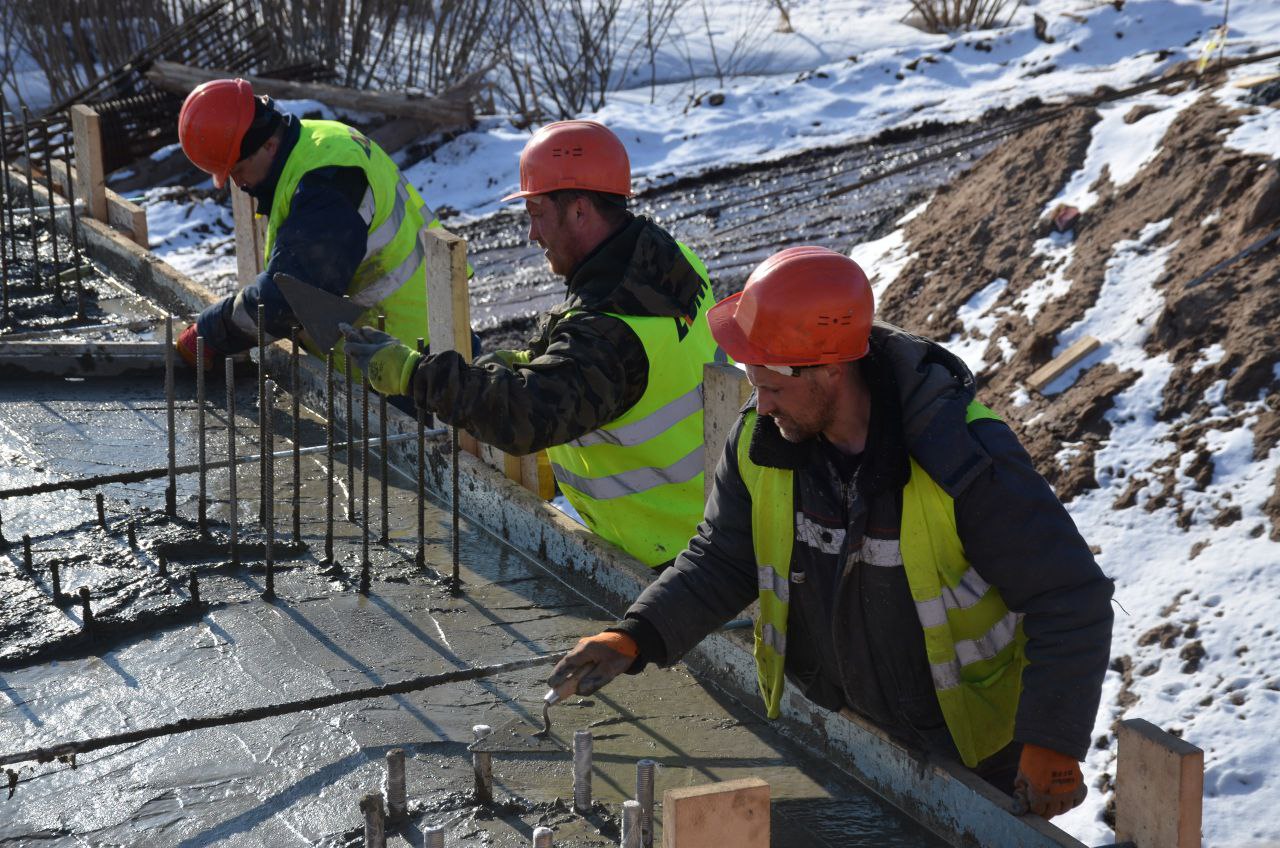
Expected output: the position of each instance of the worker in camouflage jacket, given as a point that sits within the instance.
(611, 384)
(910, 564)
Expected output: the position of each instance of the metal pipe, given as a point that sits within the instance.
(482, 765)
(295, 495)
(434, 836)
(31, 191)
(233, 502)
(95, 480)
(268, 487)
(644, 795)
(202, 519)
(102, 510)
(631, 828)
(582, 770)
(75, 228)
(171, 492)
(457, 575)
(421, 558)
(397, 797)
(53, 215)
(328, 442)
(351, 426)
(364, 495)
(375, 826)
(382, 467)
(263, 449)
(543, 837)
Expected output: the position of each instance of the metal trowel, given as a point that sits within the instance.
(517, 736)
(317, 311)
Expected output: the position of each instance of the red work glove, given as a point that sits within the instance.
(1048, 783)
(186, 348)
(592, 663)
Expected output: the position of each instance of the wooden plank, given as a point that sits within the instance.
(127, 217)
(251, 237)
(80, 359)
(453, 109)
(1062, 363)
(731, 812)
(86, 129)
(725, 389)
(1159, 787)
(449, 304)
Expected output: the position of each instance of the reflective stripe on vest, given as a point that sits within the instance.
(974, 643)
(637, 481)
(391, 276)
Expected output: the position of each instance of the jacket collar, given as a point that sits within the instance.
(265, 191)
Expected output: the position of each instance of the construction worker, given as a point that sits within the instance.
(611, 384)
(910, 563)
(340, 216)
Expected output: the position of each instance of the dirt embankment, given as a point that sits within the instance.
(1218, 201)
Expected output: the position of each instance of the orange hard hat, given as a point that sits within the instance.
(214, 118)
(581, 155)
(801, 306)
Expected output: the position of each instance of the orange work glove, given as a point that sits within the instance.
(186, 348)
(592, 663)
(1048, 783)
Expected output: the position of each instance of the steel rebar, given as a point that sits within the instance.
(75, 230)
(382, 463)
(263, 450)
(162, 565)
(375, 825)
(582, 744)
(26, 553)
(55, 581)
(631, 828)
(193, 588)
(364, 492)
(269, 498)
(102, 510)
(61, 749)
(86, 611)
(131, 534)
(453, 503)
(351, 426)
(6, 210)
(421, 558)
(171, 492)
(328, 440)
(295, 391)
(31, 192)
(202, 519)
(53, 214)
(644, 795)
(397, 797)
(482, 766)
(233, 502)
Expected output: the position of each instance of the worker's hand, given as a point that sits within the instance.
(186, 348)
(592, 663)
(1048, 783)
(382, 358)
(508, 359)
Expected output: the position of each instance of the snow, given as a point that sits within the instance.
(978, 316)
(884, 258)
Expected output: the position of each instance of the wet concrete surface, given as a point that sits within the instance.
(733, 218)
(297, 779)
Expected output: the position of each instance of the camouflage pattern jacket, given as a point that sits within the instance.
(583, 368)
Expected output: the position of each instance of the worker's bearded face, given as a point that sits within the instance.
(552, 228)
(252, 170)
(801, 405)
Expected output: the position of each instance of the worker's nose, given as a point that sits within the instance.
(765, 405)
(533, 231)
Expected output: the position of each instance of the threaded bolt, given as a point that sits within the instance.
(435, 836)
(542, 837)
(582, 770)
(632, 835)
(483, 765)
(375, 825)
(644, 795)
(397, 802)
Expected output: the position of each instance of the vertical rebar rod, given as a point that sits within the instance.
(582, 770)
(457, 575)
(26, 552)
(55, 582)
(482, 766)
(193, 587)
(375, 826)
(75, 228)
(53, 212)
(328, 441)
(262, 414)
(296, 390)
(99, 503)
(233, 501)
(351, 439)
(6, 209)
(631, 828)
(269, 514)
(202, 519)
(364, 493)
(171, 492)
(382, 453)
(421, 558)
(162, 565)
(31, 206)
(131, 534)
(86, 612)
(644, 794)
(397, 797)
